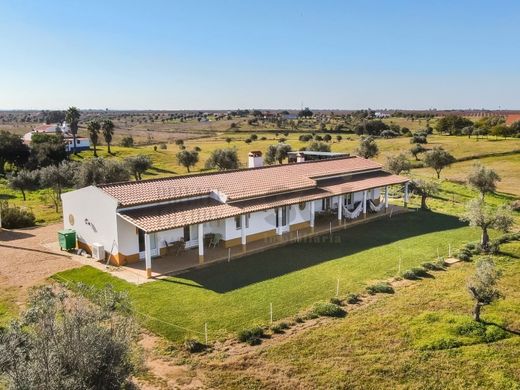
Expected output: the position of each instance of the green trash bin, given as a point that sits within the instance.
(67, 239)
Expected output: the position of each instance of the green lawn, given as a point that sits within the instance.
(385, 345)
(232, 296)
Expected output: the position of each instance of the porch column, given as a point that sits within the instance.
(340, 209)
(406, 194)
(313, 212)
(279, 230)
(201, 243)
(243, 231)
(364, 204)
(386, 197)
(148, 255)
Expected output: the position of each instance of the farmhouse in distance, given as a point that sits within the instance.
(225, 213)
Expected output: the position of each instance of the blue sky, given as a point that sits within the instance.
(259, 54)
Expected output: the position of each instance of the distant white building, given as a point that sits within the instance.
(59, 128)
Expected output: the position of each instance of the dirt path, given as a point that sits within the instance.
(25, 261)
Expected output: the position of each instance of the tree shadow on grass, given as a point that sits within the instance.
(225, 277)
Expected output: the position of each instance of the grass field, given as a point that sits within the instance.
(391, 344)
(8, 306)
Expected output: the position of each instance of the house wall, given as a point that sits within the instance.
(92, 214)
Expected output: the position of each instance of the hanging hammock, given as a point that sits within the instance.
(354, 213)
(375, 208)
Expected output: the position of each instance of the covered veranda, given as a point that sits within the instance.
(172, 264)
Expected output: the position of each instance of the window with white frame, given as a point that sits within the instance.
(238, 221)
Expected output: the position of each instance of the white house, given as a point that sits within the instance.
(138, 220)
(59, 128)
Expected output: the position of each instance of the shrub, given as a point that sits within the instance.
(162, 145)
(299, 319)
(494, 333)
(279, 327)
(14, 217)
(263, 138)
(352, 299)
(127, 142)
(336, 301)
(420, 272)
(251, 336)
(323, 309)
(462, 256)
(194, 345)
(471, 328)
(432, 266)
(410, 275)
(443, 343)
(380, 288)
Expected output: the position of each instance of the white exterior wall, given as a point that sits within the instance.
(127, 237)
(260, 221)
(94, 216)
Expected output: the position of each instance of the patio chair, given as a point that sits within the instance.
(215, 240)
(175, 247)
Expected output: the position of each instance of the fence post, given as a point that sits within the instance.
(229, 255)
(337, 287)
(330, 228)
(206, 332)
(449, 249)
(399, 266)
(271, 312)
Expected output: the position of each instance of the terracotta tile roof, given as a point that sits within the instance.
(237, 184)
(173, 215)
(512, 118)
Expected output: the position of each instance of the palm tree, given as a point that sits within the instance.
(108, 132)
(72, 118)
(93, 132)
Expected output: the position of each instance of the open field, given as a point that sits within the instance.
(508, 167)
(388, 344)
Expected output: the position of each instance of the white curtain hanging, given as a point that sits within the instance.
(354, 213)
(375, 208)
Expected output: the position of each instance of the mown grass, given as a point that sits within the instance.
(420, 338)
(232, 296)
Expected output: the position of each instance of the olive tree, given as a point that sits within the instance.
(137, 165)
(277, 153)
(438, 159)
(417, 149)
(367, 147)
(487, 217)
(223, 159)
(63, 341)
(188, 158)
(397, 164)
(24, 180)
(57, 178)
(100, 171)
(483, 179)
(425, 189)
(483, 285)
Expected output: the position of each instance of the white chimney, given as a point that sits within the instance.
(255, 159)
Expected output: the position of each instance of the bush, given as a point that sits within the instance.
(194, 346)
(494, 333)
(443, 343)
(432, 266)
(336, 301)
(263, 138)
(380, 288)
(299, 319)
(471, 328)
(14, 217)
(352, 299)
(463, 256)
(410, 275)
(251, 336)
(162, 145)
(127, 142)
(323, 309)
(420, 272)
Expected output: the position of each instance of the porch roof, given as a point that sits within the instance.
(173, 215)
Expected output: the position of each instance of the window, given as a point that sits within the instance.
(325, 204)
(347, 200)
(238, 222)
